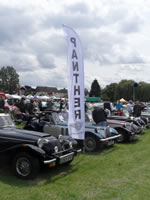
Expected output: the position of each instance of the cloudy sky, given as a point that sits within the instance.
(115, 37)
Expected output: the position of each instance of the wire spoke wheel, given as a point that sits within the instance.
(23, 166)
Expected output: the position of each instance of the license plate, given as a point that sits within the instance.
(66, 158)
(110, 142)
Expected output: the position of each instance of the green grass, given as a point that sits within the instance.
(118, 173)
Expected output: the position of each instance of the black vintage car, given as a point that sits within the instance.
(28, 150)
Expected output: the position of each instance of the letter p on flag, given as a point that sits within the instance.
(73, 40)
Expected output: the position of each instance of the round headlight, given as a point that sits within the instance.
(56, 149)
(41, 142)
(60, 137)
(70, 144)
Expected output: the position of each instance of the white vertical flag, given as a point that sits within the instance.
(76, 121)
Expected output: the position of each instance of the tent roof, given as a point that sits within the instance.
(93, 99)
(122, 100)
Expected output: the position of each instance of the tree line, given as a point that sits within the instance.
(127, 89)
(9, 83)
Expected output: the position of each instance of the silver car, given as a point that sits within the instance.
(96, 137)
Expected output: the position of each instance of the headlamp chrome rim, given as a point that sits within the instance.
(61, 139)
(56, 149)
(41, 142)
(70, 144)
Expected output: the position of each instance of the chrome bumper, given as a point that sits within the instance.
(77, 152)
(63, 158)
(49, 161)
(110, 138)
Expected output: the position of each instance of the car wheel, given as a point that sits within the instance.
(90, 143)
(25, 166)
(123, 137)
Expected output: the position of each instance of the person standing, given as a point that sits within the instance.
(29, 107)
(61, 105)
(129, 107)
(22, 105)
(99, 116)
(137, 109)
(119, 105)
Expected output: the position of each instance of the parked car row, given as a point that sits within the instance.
(55, 123)
(45, 140)
(119, 129)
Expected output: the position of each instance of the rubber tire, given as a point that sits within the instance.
(33, 164)
(124, 136)
(90, 143)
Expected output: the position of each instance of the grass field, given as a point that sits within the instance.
(118, 173)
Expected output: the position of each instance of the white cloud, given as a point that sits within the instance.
(114, 36)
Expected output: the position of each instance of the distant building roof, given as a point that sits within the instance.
(46, 89)
(62, 91)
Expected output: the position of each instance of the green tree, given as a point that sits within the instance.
(9, 80)
(124, 89)
(108, 93)
(142, 93)
(95, 89)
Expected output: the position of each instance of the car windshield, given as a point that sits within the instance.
(6, 121)
(88, 117)
(60, 117)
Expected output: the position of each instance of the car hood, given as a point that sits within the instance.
(15, 133)
(124, 118)
(111, 121)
